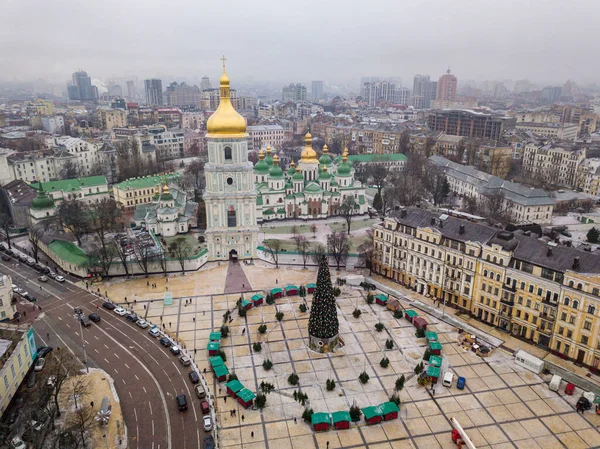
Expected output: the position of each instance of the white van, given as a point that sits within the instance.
(555, 383)
(448, 379)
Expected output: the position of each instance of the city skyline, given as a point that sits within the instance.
(478, 42)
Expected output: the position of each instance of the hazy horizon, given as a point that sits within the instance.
(266, 41)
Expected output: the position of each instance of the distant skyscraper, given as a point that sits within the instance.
(82, 88)
(317, 90)
(293, 92)
(205, 84)
(154, 95)
(131, 90)
(401, 96)
(424, 91)
(551, 94)
(446, 87)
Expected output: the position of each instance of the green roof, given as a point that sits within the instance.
(435, 345)
(216, 361)
(261, 167)
(276, 290)
(291, 287)
(344, 169)
(70, 185)
(281, 210)
(361, 199)
(381, 297)
(69, 252)
(215, 336)
(245, 302)
(320, 418)
(411, 313)
(435, 360)
(257, 297)
(147, 182)
(324, 175)
(313, 188)
(166, 197)
(245, 395)
(311, 285)
(220, 370)
(371, 411)
(42, 201)
(276, 172)
(374, 157)
(268, 212)
(259, 200)
(433, 371)
(431, 336)
(389, 407)
(213, 346)
(234, 385)
(342, 415)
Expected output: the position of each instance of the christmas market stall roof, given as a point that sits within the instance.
(220, 371)
(216, 361)
(246, 302)
(431, 336)
(435, 346)
(320, 418)
(411, 314)
(340, 416)
(372, 411)
(433, 371)
(381, 298)
(290, 288)
(389, 407)
(213, 346)
(234, 385)
(435, 360)
(257, 297)
(276, 290)
(215, 336)
(311, 285)
(246, 395)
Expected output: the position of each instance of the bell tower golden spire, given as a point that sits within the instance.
(225, 122)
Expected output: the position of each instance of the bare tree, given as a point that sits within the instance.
(82, 420)
(313, 229)
(494, 208)
(143, 254)
(348, 209)
(404, 142)
(60, 365)
(273, 248)
(103, 219)
(123, 256)
(80, 388)
(6, 227)
(365, 249)
(378, 171)
(103, 257)
(338, 246)
(429, 144)
(302, 247)
(69, 170)
(437, 185)
(201, 214)
(193, 176)
(74, 217)
(35, 234)
(182, 250)
(319, 251)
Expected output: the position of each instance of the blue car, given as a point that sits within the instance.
(460, 383)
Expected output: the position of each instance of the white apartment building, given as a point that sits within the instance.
(53, 124)
(211, 97)
(263, 135)
(556, 165)
(86, 153)
(524, 204)
(169, 143)
(193, 120)
(568, 131)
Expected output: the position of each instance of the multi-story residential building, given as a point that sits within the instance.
(360, 162)
(53, 124)
(131, 192)
(112, 118)
(401, 96)
(193, 120)
(82, 88)
(169, 116)
(169, 143)
(424, 91)
(552, 164)
(317, 90)
(446, 87)
(86, 153)
(40, 107)
(92, 189)
(18, 196)
(131, 96)
(193, 143)
(205, 83)
(567, 131)
(18, 351)
(183, 95)
(448, 146)
(551, 94)
(589, 176)
(542, 292)
(211, 98)
(247, 103)
(263, 135)
(468, 123)
(523, 204)
(588, 123)
(293, 93)
(154, 93)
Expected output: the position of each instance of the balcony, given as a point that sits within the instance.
(508, 302)
(510, 288)
(547, 317)
(545, 331)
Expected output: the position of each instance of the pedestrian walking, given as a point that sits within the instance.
(252, 434)
(243, 331)
(328, 445)
(92, 404)
(295, 422)
(243, 417)
(194, 319)
(169, 324)
(204, 312)
(224, 398)
(48, 335)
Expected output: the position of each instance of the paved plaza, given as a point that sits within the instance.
(502, 406)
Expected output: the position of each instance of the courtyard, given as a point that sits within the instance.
(502, 405)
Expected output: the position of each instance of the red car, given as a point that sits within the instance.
(205, 408)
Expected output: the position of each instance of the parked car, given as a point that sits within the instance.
(5, 258)
(165, 341)
(154, 331)
(59, 278)
(18, 443)
(45, 270)
(132, 317)
(460, 383)
(94, 317)
(208, 424)
(43, 351)
(31, 298)
(194, 377)
(199, 389)
(185, 361)
(85, 321)
(205, 407)
(39, 364)
(209, 442)
(175, 350)
(448, 378)
(109, 305)
(142, 323)
(120, 311)
(43, 278)
(52, 275)
(181, 402)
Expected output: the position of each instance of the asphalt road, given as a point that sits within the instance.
(147, 376)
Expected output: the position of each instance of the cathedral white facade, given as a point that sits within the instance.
(230, 196)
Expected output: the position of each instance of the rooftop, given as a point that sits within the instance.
(147, 181)
(70, 185)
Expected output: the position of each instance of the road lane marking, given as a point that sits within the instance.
(126, 384)
(116, 370)
(106, 347)
(86, 342)
(59, 337)
(59, 318)
(96, 338)
(150, 405)
(130, 394)
(126, 365)
(136, 376)
(153, 430)
(96, 351)
(137, 428)
(106, 360)
(116, 356)
(144, 388)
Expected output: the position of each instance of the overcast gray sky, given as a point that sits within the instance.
(335, 40)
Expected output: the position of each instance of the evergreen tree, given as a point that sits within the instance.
(377, 202)
(323, 321)
(593, 235)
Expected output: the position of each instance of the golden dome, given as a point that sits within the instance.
(261, 155)
(325, 149)
(226, 121)
(292, 164)
(165, 189)
(268, 149)
(345, 155)
(324, 168)
(276, 160)
(308, 154)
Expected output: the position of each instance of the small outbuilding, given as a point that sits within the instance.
(393, 305)
(410, 315)
(390, 410)
(247, 304)
(215, 336)
(277, 293)
(431, 336)
(221, 372)
(310, 288)
(213, 348)
(434, 373)
(245, 397)
(420, 322)
(381, 299)
(435, 347)
(372, 414)
(291, 290)
(216, 361)
(435, 360)
(320, 421)
(233, 387)
(257, 299)
(341, 420)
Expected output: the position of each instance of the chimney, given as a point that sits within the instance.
(576, 263)
(432, 220)
(549, 253)
(461, 229)
(403, 213)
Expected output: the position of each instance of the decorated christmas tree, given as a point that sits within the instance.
(323, 321)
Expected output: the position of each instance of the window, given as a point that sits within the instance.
(231, 217)
(569, 334)
(563, 316)
(584, 339)
(567, 301)
(576, 304)
(572, 319)
(561, 330)
(498, 277)
(227, 151)
(587, 325)
(591, 310)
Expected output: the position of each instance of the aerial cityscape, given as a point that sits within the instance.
(252, 226)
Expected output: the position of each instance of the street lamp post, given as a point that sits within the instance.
(78, 314)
